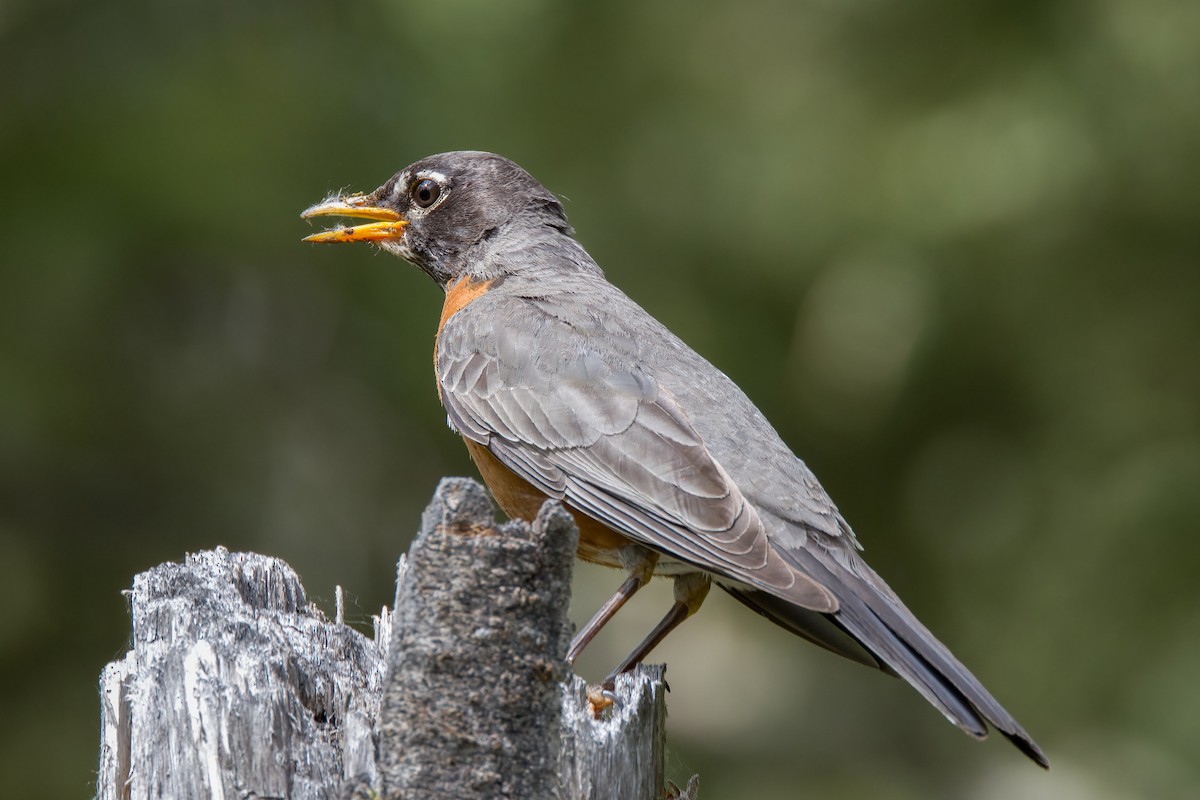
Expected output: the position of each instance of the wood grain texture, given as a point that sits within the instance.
(471, 706)
(235, 686)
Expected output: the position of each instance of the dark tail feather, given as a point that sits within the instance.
(818, 628)
(874, 617)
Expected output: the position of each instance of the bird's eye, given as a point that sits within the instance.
(426, 193)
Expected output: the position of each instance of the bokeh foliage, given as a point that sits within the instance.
(950, 248)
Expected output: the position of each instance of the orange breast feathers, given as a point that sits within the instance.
(461, 294)
(597, 542)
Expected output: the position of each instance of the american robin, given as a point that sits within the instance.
(562, 386)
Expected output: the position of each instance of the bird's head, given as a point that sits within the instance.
(443, 212)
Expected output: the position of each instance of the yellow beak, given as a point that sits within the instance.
(389, 224)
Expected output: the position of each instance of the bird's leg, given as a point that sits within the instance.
(690, 591)
(639, 562)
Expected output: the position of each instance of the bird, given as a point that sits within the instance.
(562, 387)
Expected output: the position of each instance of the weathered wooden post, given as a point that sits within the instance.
(471, 707)
(236, 687)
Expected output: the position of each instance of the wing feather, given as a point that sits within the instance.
(613, 444)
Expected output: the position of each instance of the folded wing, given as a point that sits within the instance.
(610, 442)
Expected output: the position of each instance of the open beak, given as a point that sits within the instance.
(388, 225)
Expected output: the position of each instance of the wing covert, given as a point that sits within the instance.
(610, 442)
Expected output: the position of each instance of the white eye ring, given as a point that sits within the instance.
(436, 182)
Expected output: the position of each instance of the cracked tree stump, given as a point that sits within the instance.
(236, 687)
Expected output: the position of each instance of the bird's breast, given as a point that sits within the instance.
(459, 295)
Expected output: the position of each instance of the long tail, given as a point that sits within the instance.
(873, 627)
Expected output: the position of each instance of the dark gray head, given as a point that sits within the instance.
(443, 209)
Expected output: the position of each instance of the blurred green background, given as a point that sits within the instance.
(949, 248)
